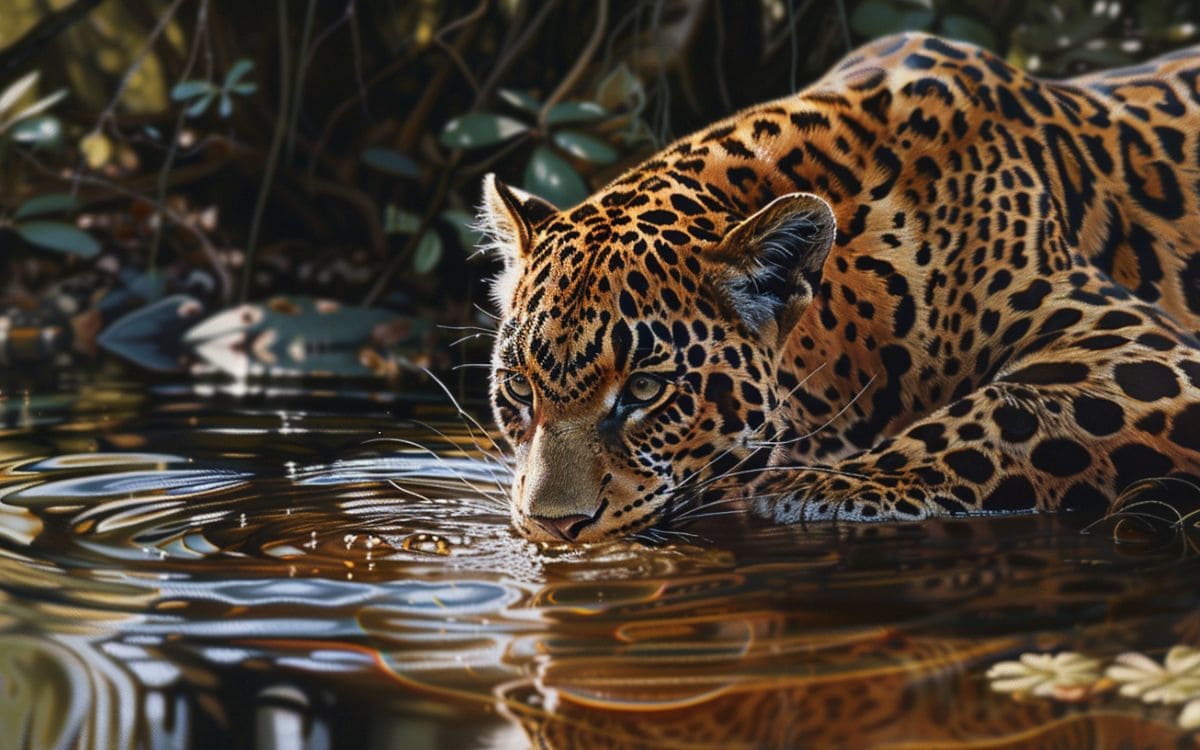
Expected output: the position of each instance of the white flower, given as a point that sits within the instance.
(1189, 718)
(1044, 674)
(1177, 680)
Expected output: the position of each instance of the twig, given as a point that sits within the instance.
(301, 73)
(577, 70)
(276, 145)
(172, 150)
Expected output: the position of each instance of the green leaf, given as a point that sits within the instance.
(201, 104)
(185, 90)
(568, 112)
(428, 253)
(390, 161)
(243, 89)
(50, 203)
(463, 225)
(876, 18)
(477, 129)
(968, 30)
(551, 177)
(38, 130)
(237, 72)
(398, 221)
(583, 146)
(225, 108)
(152, 336)
(54, 235)
(521, 100)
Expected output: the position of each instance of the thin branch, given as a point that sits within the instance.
(577, 70)
(276, 146)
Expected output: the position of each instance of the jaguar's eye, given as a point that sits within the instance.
(518, 387)
(642, 388)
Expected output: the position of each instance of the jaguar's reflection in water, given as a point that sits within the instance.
(270, 587)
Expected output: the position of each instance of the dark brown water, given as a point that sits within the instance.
(198, 569)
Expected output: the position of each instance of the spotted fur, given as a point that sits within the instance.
(928, 284)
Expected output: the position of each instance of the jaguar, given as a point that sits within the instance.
(928, 284)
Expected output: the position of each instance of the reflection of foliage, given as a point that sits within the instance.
(226, 150)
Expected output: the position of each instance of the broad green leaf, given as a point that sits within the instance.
(190, 90)
(398, 221)
(583, 146)
(968, 30)
(14, 92)
(521, 100)
(916, 20)
(477, 129)
(428, 253)
(50, 203)
(238, 72)
(37, 130)
(619, 89)
(551, 177)
(568, 112)
(390, 161)
(463, 225)
(201, 104)
(54, 235)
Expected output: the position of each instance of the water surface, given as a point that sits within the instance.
(192, 568)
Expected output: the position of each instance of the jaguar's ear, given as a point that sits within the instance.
(768, 267)
(506, 219)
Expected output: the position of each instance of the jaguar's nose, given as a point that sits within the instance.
(566, 528)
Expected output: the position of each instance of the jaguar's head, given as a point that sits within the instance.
(638, 350)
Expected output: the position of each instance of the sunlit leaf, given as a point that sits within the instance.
(37, 130)
(551, 177)
(463, 225)
(238, 72)
(478, 129)
(428, 252)
(968, 30)
(97, 149)
(50, 203)
(569, 112)
(583, 146)
(16, 90)
(390, 161)
(185, 90)
(152, 336)
(64, 238)
(38, 107)
(520, 99)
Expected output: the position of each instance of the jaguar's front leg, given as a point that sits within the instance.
(1008, 448)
